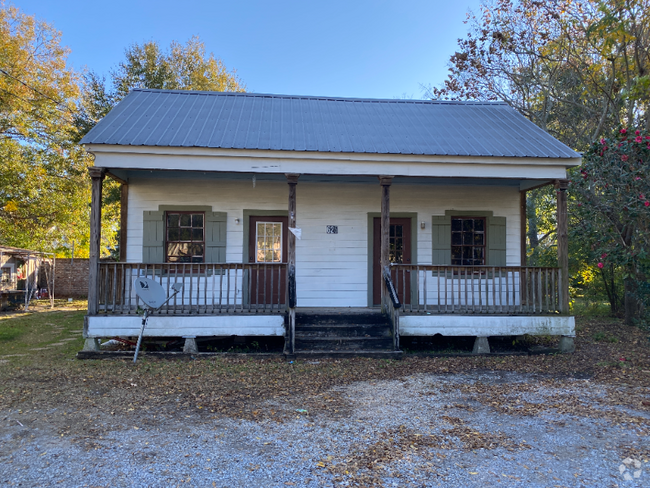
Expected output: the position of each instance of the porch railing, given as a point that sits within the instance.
(207, 288)
(510, 290)
(393, 305)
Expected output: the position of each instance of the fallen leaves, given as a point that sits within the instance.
(272, 389)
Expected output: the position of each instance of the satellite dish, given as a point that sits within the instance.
(150, 292)
(153, 296)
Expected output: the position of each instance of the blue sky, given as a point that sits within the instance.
(354, 48)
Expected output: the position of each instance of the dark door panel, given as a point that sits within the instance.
(267, 243)
(399, 253)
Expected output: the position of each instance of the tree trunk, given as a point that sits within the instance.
(531, 214)
(631, 301)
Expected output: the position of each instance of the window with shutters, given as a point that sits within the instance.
(468, 238)
(183, 234)
(468, 241)
(184, 237)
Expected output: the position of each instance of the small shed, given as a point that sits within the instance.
(25, 274)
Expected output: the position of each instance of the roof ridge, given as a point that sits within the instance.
(316, 97)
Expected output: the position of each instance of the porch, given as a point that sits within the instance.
(225, 299)
(263, 298)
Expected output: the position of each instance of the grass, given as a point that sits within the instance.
(588, 308)
(42, 335)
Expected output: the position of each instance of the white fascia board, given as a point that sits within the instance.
(178, 326)
(486, 325)
(279, 162)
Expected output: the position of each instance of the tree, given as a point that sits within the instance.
(44, 192)
(182, 67)
(577, 69)
(612, 213)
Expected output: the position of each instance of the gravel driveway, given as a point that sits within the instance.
(473, 429)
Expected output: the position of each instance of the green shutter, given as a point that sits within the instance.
(153, 237)
(441, 239)
(215, 237)
(496, 252)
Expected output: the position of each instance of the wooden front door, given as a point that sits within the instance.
(399, 252)
(267, 243)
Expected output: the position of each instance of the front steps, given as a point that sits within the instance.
(349, 333)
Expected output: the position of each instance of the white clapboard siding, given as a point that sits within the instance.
(196, 290)
(331, 269)
(492, 292)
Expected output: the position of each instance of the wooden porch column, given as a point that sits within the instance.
(563, 243)
(523, 224)
(385, 182)
(124, 211)
(290, 342)
(97, 176)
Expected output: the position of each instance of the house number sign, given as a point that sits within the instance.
(332, 229)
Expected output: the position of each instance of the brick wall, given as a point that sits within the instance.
(71, 278)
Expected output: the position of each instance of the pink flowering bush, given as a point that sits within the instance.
(611, 214)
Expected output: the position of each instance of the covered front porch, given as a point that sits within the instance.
(264, 299)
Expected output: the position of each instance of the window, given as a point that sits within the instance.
(184, 237)
(268, 239)
(396, 244)
(6, 282)
(468, 241)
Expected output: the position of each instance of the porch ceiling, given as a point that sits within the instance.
(522, 184)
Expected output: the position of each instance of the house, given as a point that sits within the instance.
(23, 274)
(279, 214)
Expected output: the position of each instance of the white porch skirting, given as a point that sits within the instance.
(481, 325)
(179, 326)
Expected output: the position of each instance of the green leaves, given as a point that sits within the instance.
(180, 67)
(576, 69)
(612, 211)
(44, 192)
(45, 110)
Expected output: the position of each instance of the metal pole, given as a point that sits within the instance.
(144, 323)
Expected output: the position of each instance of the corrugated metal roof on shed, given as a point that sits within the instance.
(339, 125)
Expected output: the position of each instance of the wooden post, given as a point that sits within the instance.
(124, 210)
(385, 182)
(290, 343)
(97, 176)
(563, 243)
(523, 224)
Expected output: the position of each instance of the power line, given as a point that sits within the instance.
(75, 113)
(60, 104)
(31, 102)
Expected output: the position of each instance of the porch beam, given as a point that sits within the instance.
(385, 182)
(97, 178)
(563, 243)
(290, 342)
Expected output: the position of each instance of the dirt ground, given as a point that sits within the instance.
(593, 404)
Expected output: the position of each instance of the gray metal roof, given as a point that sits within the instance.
(339, 125)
